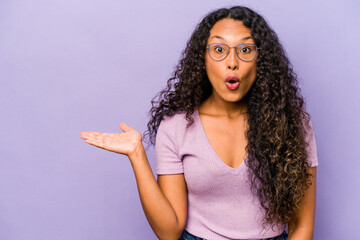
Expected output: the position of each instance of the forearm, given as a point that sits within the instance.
(159, 213)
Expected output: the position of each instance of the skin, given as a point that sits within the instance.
(303, 226)
(223, 113)
(224, 119)
(230, 102)
(164, 202)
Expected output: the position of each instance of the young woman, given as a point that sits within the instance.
(235, 149)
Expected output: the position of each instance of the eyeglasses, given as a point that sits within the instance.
(219, 51)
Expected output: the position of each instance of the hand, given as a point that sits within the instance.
(124, 143)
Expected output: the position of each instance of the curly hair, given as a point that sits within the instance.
(277, 119)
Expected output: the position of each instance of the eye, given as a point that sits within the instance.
(245, 49)
(219, 49)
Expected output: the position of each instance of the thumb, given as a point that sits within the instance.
(125, 127)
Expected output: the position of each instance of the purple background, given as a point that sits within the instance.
(68, 66)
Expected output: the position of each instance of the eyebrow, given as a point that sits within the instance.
(243, 39)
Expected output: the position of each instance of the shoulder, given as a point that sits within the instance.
(308, 128)
(176, 122)
(175, 128)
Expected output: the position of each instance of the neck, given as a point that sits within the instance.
(216, 106)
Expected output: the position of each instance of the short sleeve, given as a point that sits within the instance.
(166, 150)
(311, 148)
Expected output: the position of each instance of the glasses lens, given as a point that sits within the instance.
(218, 51)
(246, 51)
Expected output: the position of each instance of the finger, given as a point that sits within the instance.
(92, 139)
(85, 135)
(95, 140)
(125, 127)
(94, 133)
(98, 137)
(95, 143)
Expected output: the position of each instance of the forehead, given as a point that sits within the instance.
(229, 29)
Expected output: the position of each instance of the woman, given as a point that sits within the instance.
(235, 150)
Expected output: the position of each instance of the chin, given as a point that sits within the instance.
(234, 96)
(234, 99)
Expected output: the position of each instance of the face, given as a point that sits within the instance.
(224, 74)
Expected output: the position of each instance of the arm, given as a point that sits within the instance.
(164, 202)
(303, 227)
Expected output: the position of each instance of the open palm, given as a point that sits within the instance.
(123, 143)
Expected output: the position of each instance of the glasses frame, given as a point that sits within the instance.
(238, 46)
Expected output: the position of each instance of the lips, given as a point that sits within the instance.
(232, 83)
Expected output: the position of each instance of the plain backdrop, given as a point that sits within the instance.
(68, 66)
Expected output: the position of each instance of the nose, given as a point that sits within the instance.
(232, 60)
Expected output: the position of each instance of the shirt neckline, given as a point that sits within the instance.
(217, 159)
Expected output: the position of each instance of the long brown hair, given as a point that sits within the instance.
(277, 118)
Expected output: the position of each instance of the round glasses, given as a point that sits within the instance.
(219, 51)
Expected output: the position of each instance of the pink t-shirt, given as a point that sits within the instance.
(221, 205)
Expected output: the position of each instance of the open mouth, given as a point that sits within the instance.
(232, 83)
